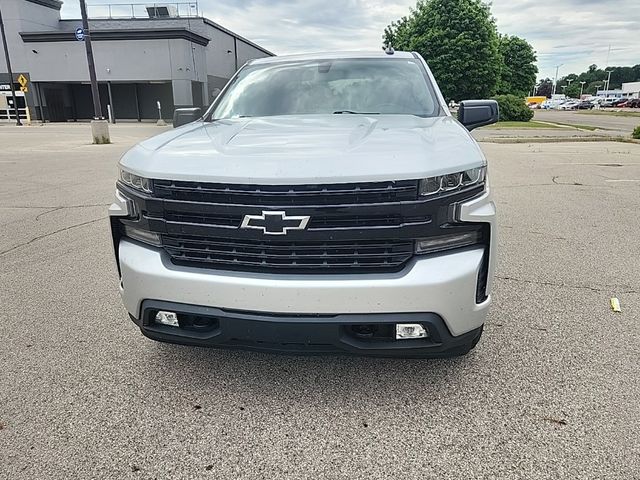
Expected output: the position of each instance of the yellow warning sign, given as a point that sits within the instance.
(24, 89)
(22, 80)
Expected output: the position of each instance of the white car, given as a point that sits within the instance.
(323, 203)
(570, 105)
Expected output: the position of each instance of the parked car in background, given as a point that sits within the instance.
(608, 103)
(634, 103)
(569, 105)
(585, 105)
(624, 102)
(550, 104)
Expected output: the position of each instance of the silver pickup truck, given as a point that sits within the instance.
(323, 203)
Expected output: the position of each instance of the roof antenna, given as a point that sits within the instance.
(389, 49)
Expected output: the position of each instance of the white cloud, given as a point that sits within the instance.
(575, 33)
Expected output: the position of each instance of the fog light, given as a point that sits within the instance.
(405, 331)
(167, 318)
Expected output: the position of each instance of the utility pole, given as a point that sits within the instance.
(99, 126)
(6, 56)
(608, 78)
(97, 108)
(555, 80)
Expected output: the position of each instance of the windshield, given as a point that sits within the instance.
(345, 86)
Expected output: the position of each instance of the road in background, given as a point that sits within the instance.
(616, 124)
(551, 392)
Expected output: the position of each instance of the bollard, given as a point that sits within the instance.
(160, 122)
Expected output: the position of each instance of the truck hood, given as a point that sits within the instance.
(307, 149)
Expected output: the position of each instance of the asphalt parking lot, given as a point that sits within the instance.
(612, 123)
(551, 392)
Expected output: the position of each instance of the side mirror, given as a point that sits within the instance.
(182, 116)
(478, 113)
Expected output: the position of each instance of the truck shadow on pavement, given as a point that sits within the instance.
(267, 374)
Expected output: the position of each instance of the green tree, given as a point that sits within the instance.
(518, 68)
(595, 77)
(544, 88)
(459, 40)
(398, 34)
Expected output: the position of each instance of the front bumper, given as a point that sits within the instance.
(442, 287)
(302, 334)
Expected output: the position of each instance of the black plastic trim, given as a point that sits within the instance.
(303, 334)
(129, 34)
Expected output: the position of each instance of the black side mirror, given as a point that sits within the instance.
(182, 116)
(478, 113)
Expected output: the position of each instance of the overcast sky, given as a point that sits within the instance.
(575, 33)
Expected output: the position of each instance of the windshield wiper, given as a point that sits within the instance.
(340, 112)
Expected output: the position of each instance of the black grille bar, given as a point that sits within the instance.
(291, 256)
(285, 195)
(317, 222)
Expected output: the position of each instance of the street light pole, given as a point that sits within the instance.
(6, 56)
(581, 88)
(569, 80)
(99, 126)
(555, 80)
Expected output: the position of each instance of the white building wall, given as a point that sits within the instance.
(631, 89)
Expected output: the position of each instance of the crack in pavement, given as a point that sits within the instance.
(500, 187)
(555, 177)
(52, 208)
(57, 207)
(564, 285)
(40, 237)
(48, 211)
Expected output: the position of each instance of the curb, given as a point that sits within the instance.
(558, 140)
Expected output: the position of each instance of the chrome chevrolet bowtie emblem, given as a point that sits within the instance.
(275, 223)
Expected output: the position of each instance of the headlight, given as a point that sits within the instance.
(135, 181)
(452, 181)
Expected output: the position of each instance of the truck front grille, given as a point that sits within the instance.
(287, 195)
(334, 256)
(357, 227)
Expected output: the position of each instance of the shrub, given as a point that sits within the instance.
(636, 132)
(513, 109)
